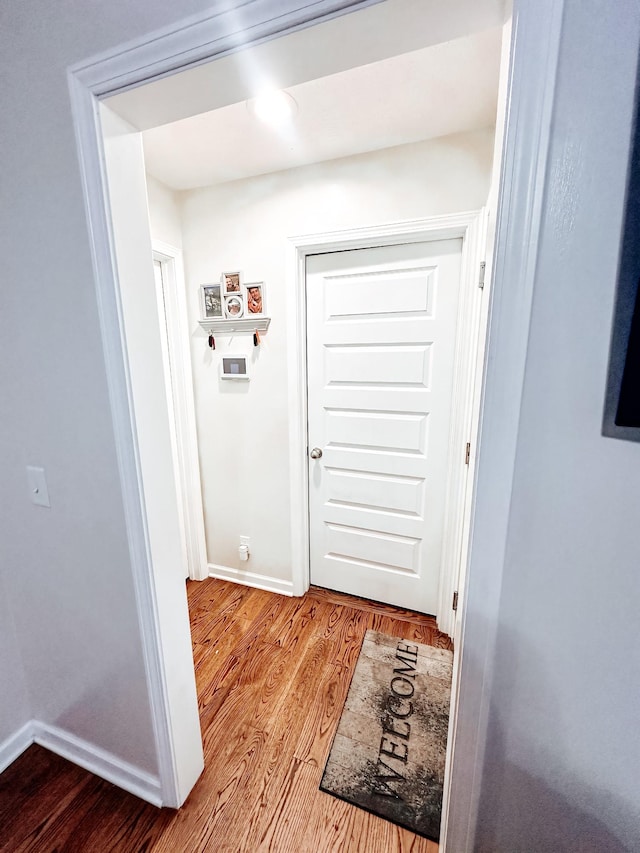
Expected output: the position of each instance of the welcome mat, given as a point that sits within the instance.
(388, 753)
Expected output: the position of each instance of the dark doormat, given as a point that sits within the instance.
(388, 753)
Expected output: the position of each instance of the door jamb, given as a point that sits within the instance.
(181, 400)
(471, 227)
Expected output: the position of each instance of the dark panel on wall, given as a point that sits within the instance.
(622, 401)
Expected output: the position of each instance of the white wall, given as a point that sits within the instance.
(164, 213)
(561, 771)
(243, 427)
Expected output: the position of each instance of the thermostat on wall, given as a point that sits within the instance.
(234, 367)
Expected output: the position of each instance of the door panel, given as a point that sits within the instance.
(367, 294)
(381, 328)
(378, 549)
(380, 430)
(374, 491)
(376, 365)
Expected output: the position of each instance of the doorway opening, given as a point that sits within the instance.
(231, 195)
(519, 177)
(213, 178)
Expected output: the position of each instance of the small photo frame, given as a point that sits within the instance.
(231, 282)
(234, 367)
(234, 306)
(254, 299)
(211, 302)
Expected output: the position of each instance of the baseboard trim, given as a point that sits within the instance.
(226, 573)
(15, 745)
(98, 761)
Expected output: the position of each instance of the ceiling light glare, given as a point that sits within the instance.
(274, 108)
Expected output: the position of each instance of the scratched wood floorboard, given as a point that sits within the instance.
(272, 675)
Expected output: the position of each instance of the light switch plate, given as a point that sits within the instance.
(38, 490)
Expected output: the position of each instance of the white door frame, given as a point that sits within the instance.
(536, 41)
(180, 397)
(471, 228)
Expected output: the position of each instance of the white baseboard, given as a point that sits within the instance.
(15, 745)
(97, 761)
(250, 579)
(85, 754)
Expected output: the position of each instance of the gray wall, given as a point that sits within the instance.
(65, 572)
(14, 705)
(564, 750)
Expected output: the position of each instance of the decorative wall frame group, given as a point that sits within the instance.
(232, 299)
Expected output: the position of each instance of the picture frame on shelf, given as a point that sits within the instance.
(255, 299)
(211, 302)
(234, 306)
(231, 282)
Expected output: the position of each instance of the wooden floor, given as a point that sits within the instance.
(272, 674)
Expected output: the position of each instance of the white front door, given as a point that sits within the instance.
(381, 336)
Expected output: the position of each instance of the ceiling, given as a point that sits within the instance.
(439, 90)
(394, 73)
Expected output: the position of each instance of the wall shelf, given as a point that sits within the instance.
(244, 324)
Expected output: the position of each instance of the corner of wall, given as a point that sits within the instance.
(15, 710)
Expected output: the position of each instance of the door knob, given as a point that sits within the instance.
(316, 453)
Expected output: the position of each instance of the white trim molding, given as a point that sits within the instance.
(469, 337)
(98, 761)
(94, 759)
(535, 48)
(15, 744)
(85, 109)
(470, 226)
(240, 576)
(180, 393)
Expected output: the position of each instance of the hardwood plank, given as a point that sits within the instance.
(102, 817)
(214, 616)
(287, 817)
(272, 674)
(346, 627)
(210, 653)
(207, 821)
(255, 601)
(257, 686)
(401, 628)
(31, 783)
(323, 716)
(334, 826)
(301, 615)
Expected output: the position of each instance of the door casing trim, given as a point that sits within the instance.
(180, 395)
(470, 226)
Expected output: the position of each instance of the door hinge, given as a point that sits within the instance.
(483, 266)
(454, 603)
(467, 453)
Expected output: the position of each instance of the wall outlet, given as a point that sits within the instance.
(38, 490)
(245, 540)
